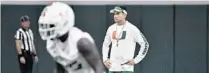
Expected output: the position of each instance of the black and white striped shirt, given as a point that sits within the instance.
(26, 37)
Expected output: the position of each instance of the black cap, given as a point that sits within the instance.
(119, 9)
(24, 18)
(122, 7)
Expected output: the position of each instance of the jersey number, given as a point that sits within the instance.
(75, 65)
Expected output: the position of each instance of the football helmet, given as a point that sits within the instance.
(55, 20)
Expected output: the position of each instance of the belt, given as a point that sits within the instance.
(117, 72)
(26, 51)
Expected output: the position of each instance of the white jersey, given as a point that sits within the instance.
(67, 54)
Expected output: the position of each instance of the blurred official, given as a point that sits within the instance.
(123, 35)
(25, 46)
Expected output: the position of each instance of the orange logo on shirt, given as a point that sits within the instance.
(114, 35)
(123, 36)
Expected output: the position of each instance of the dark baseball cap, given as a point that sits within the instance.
(119, 9)
(24, 18)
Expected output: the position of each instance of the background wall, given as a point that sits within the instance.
(178, 35)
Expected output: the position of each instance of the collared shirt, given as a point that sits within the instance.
(26, 37)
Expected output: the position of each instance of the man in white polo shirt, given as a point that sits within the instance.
(123, 35)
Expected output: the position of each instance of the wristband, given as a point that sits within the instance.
(33, 54)
(20, 55)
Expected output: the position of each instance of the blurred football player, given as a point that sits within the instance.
(73, 49)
